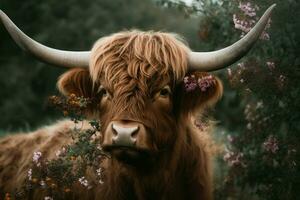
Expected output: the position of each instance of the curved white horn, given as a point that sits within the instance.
(44, 53)
(210, 61)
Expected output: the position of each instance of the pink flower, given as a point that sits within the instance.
(271, 144)
(241, 24)
(246, 20)
(248, 9)
(36, 158)
(190, 83)
(233, 158)
(206, 82)
(29, 174)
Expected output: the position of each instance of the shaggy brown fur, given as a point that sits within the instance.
(127, 73)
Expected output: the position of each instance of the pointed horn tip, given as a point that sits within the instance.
(271, 7)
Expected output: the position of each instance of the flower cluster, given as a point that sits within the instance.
(245, 20)
(190, 83)
(56, 177)
(242, 25)
(72, 105)
(271, 144)
(100, 174)
(206, 82)
(233, 158)
(36, 158)
(248, 9)
(203, 83)
(83, 181)
(29, 174)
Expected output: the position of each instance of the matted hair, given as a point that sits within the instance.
(139, 54)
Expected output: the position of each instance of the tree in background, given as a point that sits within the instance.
(259, 115)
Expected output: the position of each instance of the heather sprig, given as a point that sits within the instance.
(191, 83)
(56, 177)
(247, 18)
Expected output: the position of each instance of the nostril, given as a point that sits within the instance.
(135, 132)
(114, 131)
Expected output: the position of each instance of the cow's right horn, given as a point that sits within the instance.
(42, 52)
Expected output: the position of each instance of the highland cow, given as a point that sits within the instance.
(149, 89)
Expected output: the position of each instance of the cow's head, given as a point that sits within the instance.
(136, 81)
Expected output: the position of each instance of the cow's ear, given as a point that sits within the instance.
(199, 91)
(76, 81)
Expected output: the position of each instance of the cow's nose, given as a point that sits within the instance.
(124, 136)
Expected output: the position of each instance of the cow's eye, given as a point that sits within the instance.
(165, 92)
(103, 92)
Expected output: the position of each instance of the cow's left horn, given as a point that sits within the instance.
(210, 61)
(42, 52)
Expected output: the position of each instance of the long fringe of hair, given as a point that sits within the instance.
(139, 54)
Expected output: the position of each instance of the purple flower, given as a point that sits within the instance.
(242, 25)
(271, 144)
(190, 83)
(206, 82)
(248, 9)
(233, 158)
(36, 158)
(246, 20)
(29, 174)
